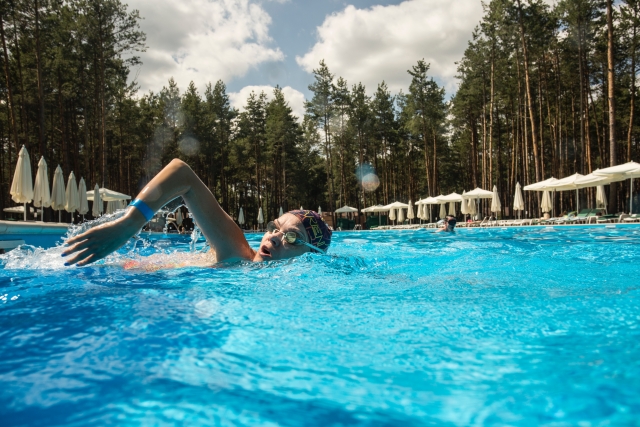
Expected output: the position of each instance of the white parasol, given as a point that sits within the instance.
(281, 212)
(319, 211)
(601, 199)
(495, 201)
(392, 214)
(410, 214)
(518, 202)
(58, 196)
(97, 202)
(179, 217)
(22, 184)
(443, 211)
(546, 204)
(464, 206)
(241, 217)
(452, 208)
(260, 216)
(72, 199)
(83, 206)
(400, 215)
(41, 191)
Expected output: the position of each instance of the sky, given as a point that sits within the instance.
(258, 44)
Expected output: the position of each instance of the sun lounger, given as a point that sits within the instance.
(632, 218)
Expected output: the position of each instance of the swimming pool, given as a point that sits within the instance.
(528, 326)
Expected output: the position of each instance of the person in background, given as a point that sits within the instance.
(449, 224)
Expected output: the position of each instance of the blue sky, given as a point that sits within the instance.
(256, 44)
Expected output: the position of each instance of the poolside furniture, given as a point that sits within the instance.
(632, 218)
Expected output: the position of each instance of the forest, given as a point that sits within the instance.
(542, 91)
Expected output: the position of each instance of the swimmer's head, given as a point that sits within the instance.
(308, 227)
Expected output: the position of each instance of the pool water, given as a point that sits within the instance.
(522, 326)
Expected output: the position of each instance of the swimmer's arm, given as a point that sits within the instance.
(176, 179)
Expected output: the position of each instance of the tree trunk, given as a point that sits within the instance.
(612, 116)
(41, 120)
(12, 114)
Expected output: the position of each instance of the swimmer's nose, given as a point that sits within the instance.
(275, 239)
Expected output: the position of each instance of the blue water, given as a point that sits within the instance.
(528, 326)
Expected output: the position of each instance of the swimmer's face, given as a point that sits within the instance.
(272, 246)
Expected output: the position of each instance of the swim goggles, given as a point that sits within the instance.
(290, 237)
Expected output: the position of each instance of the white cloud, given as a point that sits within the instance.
(202, 40)
(294, 97)
(383, 42)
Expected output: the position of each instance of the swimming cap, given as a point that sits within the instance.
(317, 230)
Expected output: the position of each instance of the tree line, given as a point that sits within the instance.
(535, 99)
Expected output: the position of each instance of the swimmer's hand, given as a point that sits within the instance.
(104, 239)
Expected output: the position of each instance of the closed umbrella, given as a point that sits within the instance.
(22, 184)
(241, 217)
(97, 202)
(495, 201)
(518, 202)
(443, 211)
(452, 208)
(400, 215)
(58, 196)
(546, 205)
(471, 206)
(319, 211)
(111, 207)
(410, 214)
(464, 206)
(179, 217)
(601, 199)
(281, 212)
(41, 191)
(261, 216)
(301, 208)
(72, 199)
(392, 214)
(83, 207)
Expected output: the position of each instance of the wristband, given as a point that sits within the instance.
(144, 209)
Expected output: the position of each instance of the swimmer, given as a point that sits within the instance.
(291, 235)
(449, 224)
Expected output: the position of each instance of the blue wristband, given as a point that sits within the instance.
(143, 208)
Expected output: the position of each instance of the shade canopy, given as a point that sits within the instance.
(478, 193)
(22, 184)
(541, 186)
(594, 180)
(397, 205)
(453, 197)
(346, 209)
(41, 190)
(96, 197)
(495, 201)
(518, 202)
(628, 170)
(565, 184)
(546, 204)
(376, 208)
(58, 196)
(83, 207)
(429, 201)
(107, 195)
(72, 200)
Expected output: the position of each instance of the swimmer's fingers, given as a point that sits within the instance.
(81, 245)
(79, 256)
(91, 258)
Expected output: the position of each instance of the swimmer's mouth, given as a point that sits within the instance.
(264, 252)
